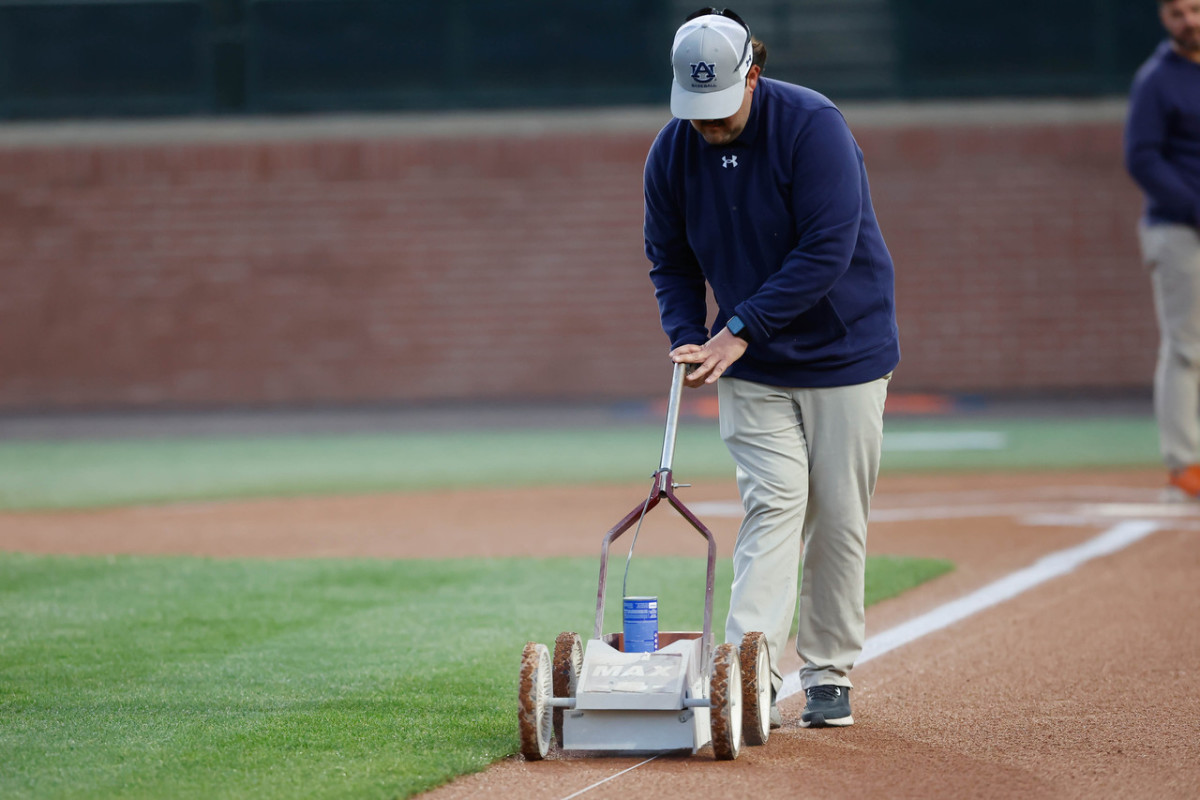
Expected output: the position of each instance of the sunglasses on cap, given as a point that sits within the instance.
(728, 14)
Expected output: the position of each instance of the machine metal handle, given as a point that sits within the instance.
(673, 403)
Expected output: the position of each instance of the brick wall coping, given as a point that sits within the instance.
(523, 124)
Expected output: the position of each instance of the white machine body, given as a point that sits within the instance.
(640, 702)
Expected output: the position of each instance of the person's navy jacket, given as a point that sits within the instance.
(781, 225)
(1162, 136)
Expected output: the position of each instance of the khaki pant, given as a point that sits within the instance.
(807, 460)
(1172, 252)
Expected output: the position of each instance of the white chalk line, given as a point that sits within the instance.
(1051, 566)
(1046, 568)
(609, 778)
(732, 509)
(944, 441)
(1103, 511)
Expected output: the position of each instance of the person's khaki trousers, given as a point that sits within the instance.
(1172, 252)
(807, 460)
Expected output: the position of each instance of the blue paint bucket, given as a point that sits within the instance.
(641, 624)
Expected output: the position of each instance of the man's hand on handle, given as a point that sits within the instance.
(712, 358)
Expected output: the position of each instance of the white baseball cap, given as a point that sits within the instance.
(711, 56)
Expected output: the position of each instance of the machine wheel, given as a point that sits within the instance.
(533, 711)
(568, 666)
(756, 688)
(725, 693)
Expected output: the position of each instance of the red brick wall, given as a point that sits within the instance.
(408, 264)
(1016, 257)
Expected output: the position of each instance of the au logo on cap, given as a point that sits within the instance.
(703, 73)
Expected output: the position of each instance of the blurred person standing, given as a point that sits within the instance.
(1162, 153)
(757, 188)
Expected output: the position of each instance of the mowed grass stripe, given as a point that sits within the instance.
(83, 474)
(171, 677)
(264, 702)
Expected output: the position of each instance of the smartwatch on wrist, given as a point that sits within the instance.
(737, 328)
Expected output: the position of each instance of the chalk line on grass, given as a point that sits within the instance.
(944, 441)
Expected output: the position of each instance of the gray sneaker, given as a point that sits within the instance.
(828, 706)
(776, 718)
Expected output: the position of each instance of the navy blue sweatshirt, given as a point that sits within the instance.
(780, 225)
(1162, 136)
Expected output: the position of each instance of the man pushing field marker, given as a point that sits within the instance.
(758, 189)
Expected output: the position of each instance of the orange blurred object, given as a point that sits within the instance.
(1187, 480)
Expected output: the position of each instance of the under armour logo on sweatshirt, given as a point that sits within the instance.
(728, 161)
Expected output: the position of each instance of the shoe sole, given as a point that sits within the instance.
(820, 722)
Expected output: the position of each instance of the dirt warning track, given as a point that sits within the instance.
(1085, 683)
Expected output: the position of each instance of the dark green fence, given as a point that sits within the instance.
(99, 58)
(79, 58)
(374, 54)
(1022, 47)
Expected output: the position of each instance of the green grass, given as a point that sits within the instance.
(1061, 443)
(193, 678)
(81, 474)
